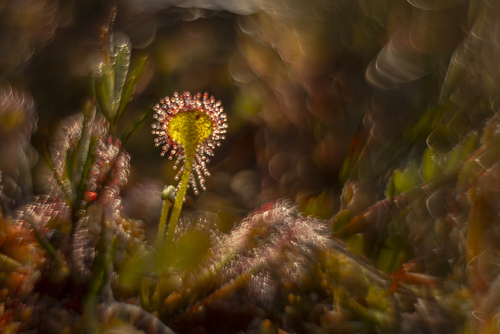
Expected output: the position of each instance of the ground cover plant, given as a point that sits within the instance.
(278, 167)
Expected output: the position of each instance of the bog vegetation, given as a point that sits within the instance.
(349, 184)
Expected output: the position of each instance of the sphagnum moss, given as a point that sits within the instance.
(190, 127)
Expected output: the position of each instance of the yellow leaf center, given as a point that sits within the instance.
(189, 129)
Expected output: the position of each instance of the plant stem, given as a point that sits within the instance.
(167, 197)
(179, 199)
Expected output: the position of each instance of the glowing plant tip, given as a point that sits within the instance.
(190, 127)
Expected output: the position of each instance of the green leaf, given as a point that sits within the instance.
(340, 220)
(89, 160)
(8, 264)
(461, 151)
(136, 126)
(83, 146)
(100, 273)
(346, 169)
(430, 167)
(48, 159)
(357, 243)
(104, 87)
(47, 246)
(459, 62)
(320, 206)
(390, 188)
(403, 180)
(407, 180)
(68, 166)
(121, 66)
(392, 254)
(129, 88)
(372, 319)
(426, 123)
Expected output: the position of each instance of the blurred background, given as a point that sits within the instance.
(305, 85)
(316, 94)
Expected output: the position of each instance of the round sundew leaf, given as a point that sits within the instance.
(190, 128)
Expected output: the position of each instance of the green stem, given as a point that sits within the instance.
(176, 211)
(167, 197)
(47, 246)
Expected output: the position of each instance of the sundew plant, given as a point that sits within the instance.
(190, 127)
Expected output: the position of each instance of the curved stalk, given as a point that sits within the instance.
(179, 199)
